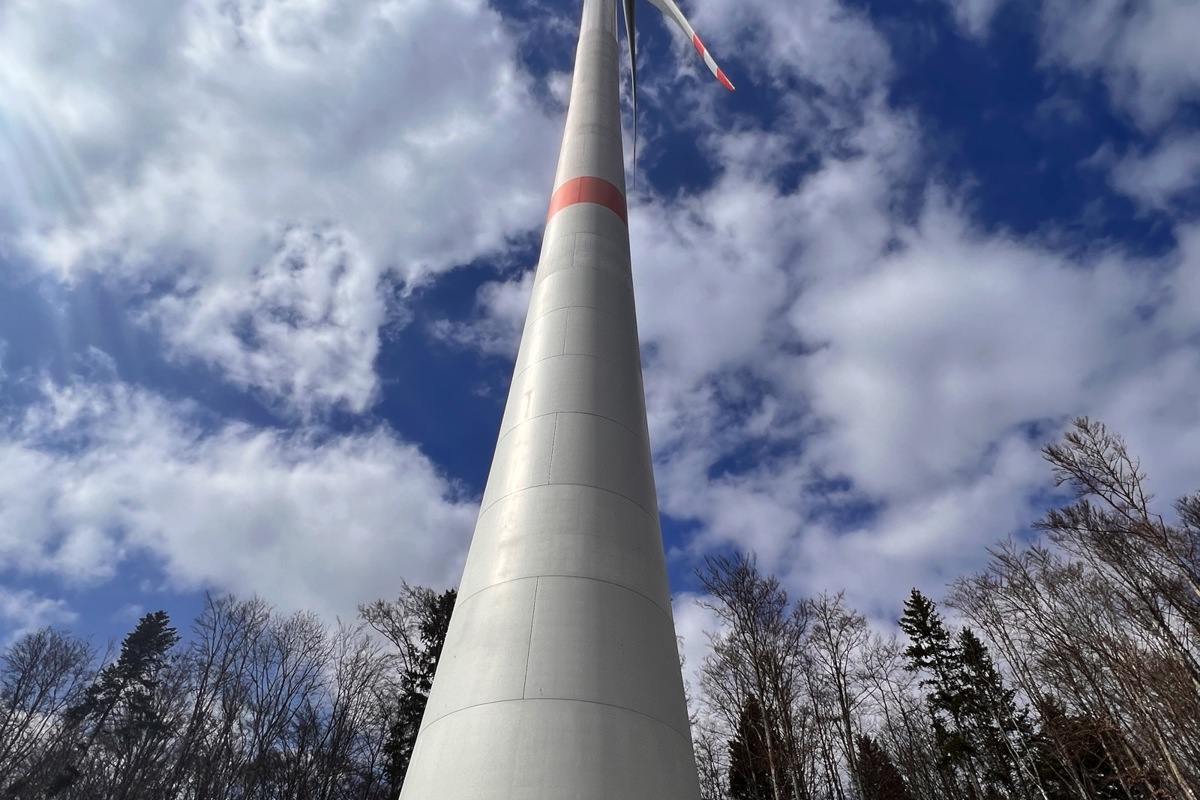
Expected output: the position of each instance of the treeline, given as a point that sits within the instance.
(1075, 675)
(254, 704)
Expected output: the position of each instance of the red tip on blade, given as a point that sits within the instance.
(724, 81)
(698, 44)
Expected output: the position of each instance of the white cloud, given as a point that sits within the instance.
(303, 328)
(499, 317)
(1143, 51)
(974, 16)
(93, 474)
(202, 155)
(22, 611)
(825, 42)
(1157, 177)
(955, 338)
(693, 623)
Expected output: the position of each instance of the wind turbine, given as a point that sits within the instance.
(559, 677)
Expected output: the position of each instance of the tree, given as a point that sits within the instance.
(933, 652)
(877, 773)
(760, 654)
(999, 733)
(125, 719)
(1111, 526)
(1079, 755)
(416, 623)
(41, 675)
(837, 642)
(754, 774)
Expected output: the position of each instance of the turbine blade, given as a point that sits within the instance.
(629, 29)
(669, 8)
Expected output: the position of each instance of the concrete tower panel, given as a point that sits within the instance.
(597, 535)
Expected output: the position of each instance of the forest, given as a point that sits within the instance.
(1067, 669)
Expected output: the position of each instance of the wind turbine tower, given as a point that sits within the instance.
(559, 678)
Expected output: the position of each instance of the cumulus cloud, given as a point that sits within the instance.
(824, 42)
(260, 177)
(497, 320)
(693, 623)
(22, 611)
(974, 16)
(92, 475)
(1144, 51)
(1162, 174)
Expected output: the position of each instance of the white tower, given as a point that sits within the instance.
(559, 678)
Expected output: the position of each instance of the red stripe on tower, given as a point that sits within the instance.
(588, 189)
(699, 45)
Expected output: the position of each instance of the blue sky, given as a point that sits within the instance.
(263, 265)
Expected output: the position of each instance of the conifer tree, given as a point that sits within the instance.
(998, 732)
(121, 709)
(424, 636)
(754, 773)
(932, 651)
(878, 775)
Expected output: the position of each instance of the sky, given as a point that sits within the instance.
(264, 263)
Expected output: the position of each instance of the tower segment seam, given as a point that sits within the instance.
(651, 717)
(553, 441)
(569, 483)
(604, 311)
(544, 359)
(669, 614)
(598, 232)
(546, 275)
(644, 435)
(528, 645)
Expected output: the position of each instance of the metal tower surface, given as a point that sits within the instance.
(559, 677)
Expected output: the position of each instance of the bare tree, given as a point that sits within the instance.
(42, 674)
(758, 653)
(837, 642)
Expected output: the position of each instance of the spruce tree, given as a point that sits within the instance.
(119, 707)
(878, 775)
(416, 681)
(933, 652)
(999, 732)
(754, 773)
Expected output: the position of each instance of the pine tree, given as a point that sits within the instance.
(134, 677)
(120, 706)
(1081, 754)
(878, 775)
(753, 773)
(998, 731)
(433, 613)
(933, 652)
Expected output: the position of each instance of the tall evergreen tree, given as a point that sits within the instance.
(1083, 755)
(754, 772)
(121, 710)
(879, 777)
(999, 732)
(134, 676)
(933, 652)
(432, 621)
